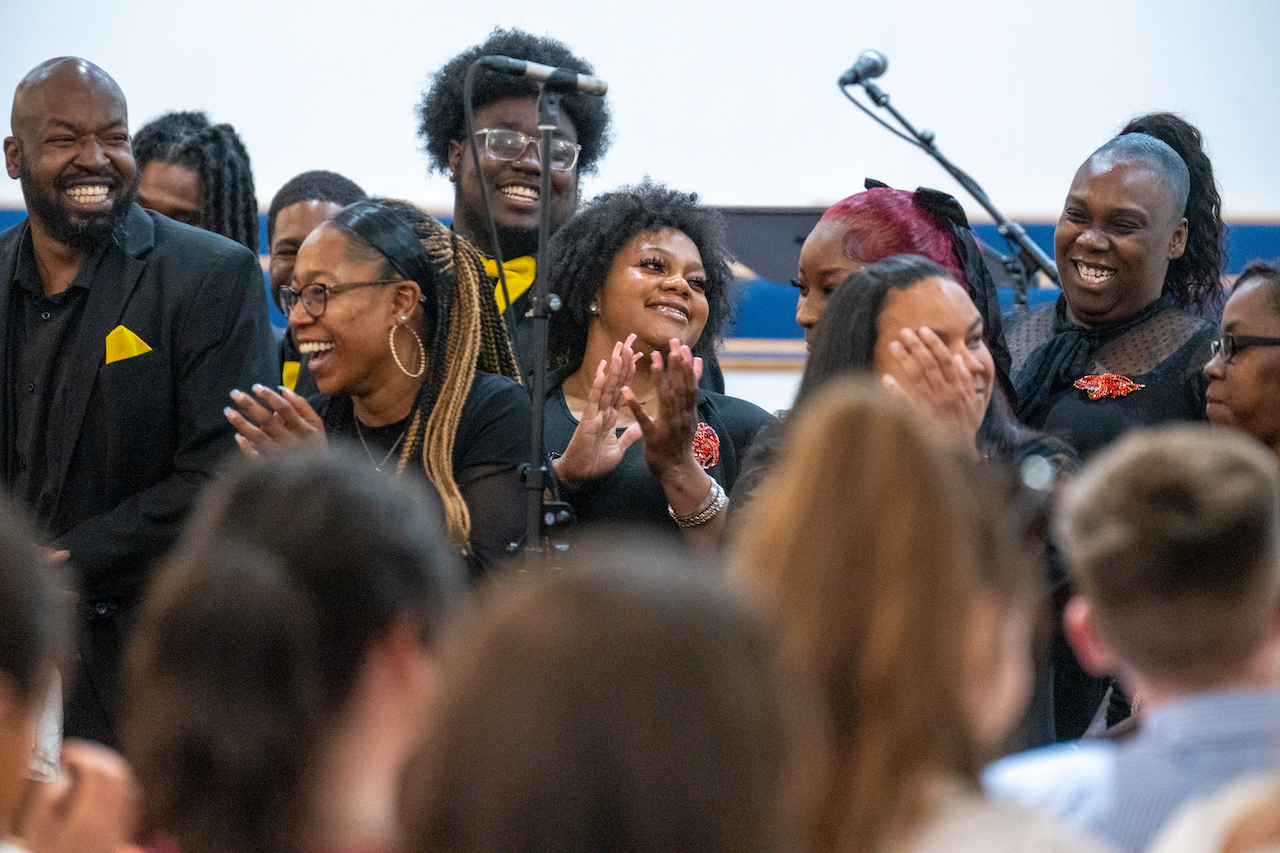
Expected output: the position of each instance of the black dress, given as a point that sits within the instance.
(630, 493)
(1161, 348)
(492, 442)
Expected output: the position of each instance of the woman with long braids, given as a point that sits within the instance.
(413, 365)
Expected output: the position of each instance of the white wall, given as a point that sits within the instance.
(734, 99)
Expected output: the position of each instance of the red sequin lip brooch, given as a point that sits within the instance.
(1107, 385)
(706, 446)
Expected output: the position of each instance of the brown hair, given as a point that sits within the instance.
(252, 638)
(623, 703)
(1171, 534)
(867, 549)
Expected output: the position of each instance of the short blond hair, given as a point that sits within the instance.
(1171, 534)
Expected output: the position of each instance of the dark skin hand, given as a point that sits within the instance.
(271, 420)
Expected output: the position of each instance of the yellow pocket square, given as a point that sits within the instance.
(122, 344)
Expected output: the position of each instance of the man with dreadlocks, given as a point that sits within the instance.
(121, 328)
(197, 173)
(413, 364)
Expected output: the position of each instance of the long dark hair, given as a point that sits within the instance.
(1195, 279)
(251, 640)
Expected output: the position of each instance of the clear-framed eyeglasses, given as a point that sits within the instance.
(503, 144)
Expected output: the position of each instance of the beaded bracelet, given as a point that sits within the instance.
(716, 501)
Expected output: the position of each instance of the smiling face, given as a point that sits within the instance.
(513, 184)
(1118, 231)
(943, 306)
(71, 150)
(654, 289)
(173, 191)
(1245, 394)
(823, 266)
(293, 225)
(347, 344)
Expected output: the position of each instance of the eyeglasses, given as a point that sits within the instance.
(315, 297)
(1228, 345)
(503, 144)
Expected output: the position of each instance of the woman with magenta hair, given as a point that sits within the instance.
(881, 222)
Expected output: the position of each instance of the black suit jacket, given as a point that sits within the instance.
(140, 436)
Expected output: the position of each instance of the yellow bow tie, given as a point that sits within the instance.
(519, 277)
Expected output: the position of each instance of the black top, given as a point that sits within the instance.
(40, 333)
(1161, 348)
(629, 493)
(491, 443)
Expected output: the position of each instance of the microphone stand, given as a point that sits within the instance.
(1027, 257)
(541, 514)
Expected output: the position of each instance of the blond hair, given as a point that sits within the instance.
(866, 549)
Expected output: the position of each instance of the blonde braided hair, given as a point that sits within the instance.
(469, 334)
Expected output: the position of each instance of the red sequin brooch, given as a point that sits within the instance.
(1107, 385)
(706, 446)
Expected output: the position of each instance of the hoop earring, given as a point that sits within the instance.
(422, 352)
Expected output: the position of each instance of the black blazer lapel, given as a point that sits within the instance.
(8, 271)
(116, 279)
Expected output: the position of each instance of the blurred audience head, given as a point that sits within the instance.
(34, 641)
(295, 575)
(901, 592)
(1171, 538)
(622, 703)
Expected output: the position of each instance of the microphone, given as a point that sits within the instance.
(869, 65)
(555, 79)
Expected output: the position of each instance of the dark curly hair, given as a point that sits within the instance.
(583, 251)
(440, 110)
(218, 157)
(1195, 279)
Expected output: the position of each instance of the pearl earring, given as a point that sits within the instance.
(592, 308)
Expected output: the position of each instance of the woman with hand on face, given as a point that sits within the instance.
(643, 276)
(1244, 373)
(390, 306)
(881, 222)
(1139, 244)
(906, 321)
